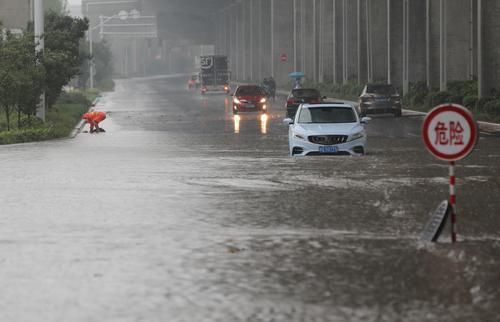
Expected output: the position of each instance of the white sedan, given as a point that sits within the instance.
(328, 128)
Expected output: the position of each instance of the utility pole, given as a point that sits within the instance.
(251, 40)
(314, 41)
(406, 47)
(389, 59)
(40, 47)
(295, 35)
(480, 71)
(303, 30)
(369, 56)
(428, 43)
(272, 38)
(334, 41)
(345, 51)
(442, 47)
(358, 35)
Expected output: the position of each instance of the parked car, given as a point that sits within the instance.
(379, 98)
(249, 98)
(299, 96)
(326, 129)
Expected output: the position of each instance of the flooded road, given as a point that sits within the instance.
(180, 212)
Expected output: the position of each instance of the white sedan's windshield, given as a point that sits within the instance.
(327, 115)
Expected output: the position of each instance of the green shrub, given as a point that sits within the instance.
(416, 95)
(463, 88)
(26, 135)
(419, 98)
(470, 101)
(482, 102)
(492, 108)
(437, 98)
(457, 99)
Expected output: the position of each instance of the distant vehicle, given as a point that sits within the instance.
(249, 98)
(379, 98)
(214, 74)
(326, 129)
(299, 96)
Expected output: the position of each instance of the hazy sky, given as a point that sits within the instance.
(74, 1)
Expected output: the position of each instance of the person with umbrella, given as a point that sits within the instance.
(297, 78)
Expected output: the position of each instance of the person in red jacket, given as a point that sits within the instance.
(93, 119)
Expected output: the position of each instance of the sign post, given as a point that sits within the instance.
(450, 134)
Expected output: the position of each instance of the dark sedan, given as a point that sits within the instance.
(300, 96)
(379, 98)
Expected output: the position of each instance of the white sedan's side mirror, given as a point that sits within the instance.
(288, 121)
(365, 120)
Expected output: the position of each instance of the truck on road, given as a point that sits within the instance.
(214, 74)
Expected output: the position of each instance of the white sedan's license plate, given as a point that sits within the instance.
(250, 105)
(328, 149)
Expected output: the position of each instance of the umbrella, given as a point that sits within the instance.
(296, 74)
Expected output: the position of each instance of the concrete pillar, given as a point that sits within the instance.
(417, 41)
(251, 40)
(295, 35)
(434, 36)
(379, 45)
(490, 24)
(337, 59)
(327, 50)
(458, 40)
(443, 46)
(272, 35)
(284, 37)
(406, 46)
(245, 58)
(396, 43)
(350, 41)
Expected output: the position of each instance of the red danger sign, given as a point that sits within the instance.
(450, 132)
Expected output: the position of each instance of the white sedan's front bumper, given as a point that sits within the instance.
(299, 147)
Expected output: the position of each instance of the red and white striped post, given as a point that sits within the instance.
(450, 134)
(453, 202)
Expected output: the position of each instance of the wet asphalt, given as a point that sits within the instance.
(179, 212)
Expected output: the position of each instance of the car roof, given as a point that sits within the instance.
(249, 86)
(305, 90)
(334, 104)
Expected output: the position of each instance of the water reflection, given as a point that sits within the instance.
(236, 119)
(251, 121)
(263, 123)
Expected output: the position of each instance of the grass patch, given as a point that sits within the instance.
(61, 119)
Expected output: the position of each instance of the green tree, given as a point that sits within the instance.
(62, 57)
(21, 76)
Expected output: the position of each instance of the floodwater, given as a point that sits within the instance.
(180, 212)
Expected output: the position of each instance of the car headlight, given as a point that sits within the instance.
(300, 137)
(263, 100)
(236, 101)
(356, 136)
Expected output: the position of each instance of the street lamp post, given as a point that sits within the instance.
(123, 15)
(39, 22)
(88, 4)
